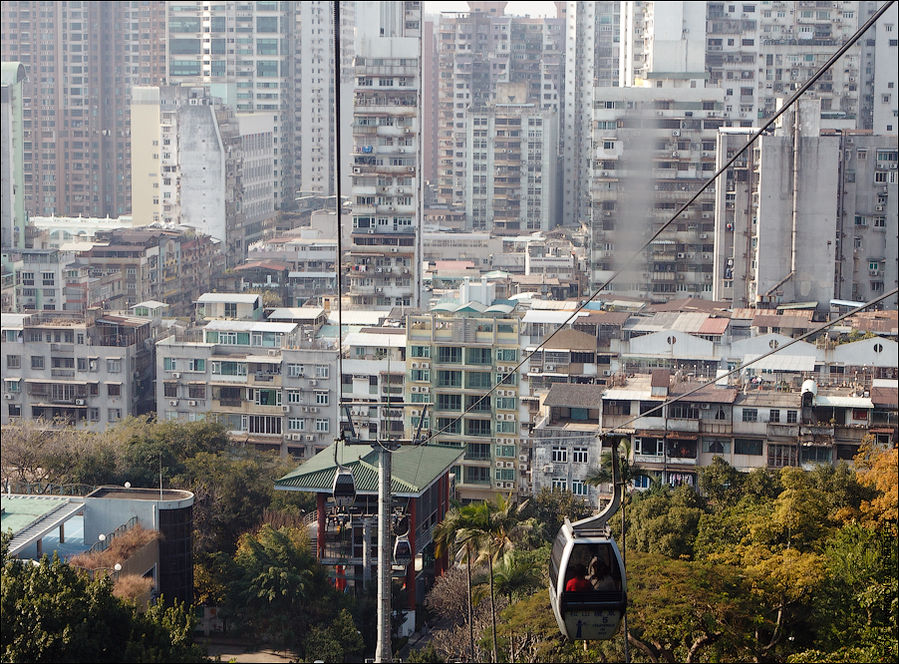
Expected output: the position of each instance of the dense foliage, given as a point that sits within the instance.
(50, 612)
(786, 565)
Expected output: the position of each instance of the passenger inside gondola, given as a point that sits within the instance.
(578, 579)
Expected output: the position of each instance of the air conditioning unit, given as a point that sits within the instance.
(705, 406)
(522, 457)
(522, 466)
(676, 132)
(310, 437)
(892, 167)
(879, 208)
(284, 409)
(607, 372)
(414, 389)
(78, 402)
(356, 170)
(8, 397)
(273, 352)
(415, 365)
(313, 409)
(176, 375)
(681, 256)
(173, 402)
(191, 403)
(313, 382)
(704, 236)
(675, 155)
(549, 367)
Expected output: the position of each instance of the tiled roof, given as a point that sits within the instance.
(714, 326)
(414, 469)
(885, 396)
(790, 320)
(710, 394)
(569, 339)
(576, 395)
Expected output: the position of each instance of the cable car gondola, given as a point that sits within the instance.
(588, 585)
(344, 488)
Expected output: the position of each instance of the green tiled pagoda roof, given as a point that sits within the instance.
(414, 469)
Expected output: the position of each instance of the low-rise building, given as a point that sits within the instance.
(69, 369)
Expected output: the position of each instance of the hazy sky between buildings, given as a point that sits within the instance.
(533, 9)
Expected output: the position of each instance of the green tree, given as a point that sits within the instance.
(549, 508)
(665, 521)
(339, 641)
(279, 590)
(720, 483)
(494, 526)
(51, 613)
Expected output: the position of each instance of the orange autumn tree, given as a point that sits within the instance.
(878, 468)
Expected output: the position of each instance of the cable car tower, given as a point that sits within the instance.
(587, 581)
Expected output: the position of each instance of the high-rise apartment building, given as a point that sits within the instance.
(386, 235)
(12, 156)
(453, 358)
(885, 93)
(510, 184)
(653, 147)
(199, 165)
(808, 223)
(592, 46)
(313, 93)
(477, 51)
(81, 60)
(241, 52)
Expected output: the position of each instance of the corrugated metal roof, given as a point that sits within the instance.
(414, 469)
(885, 396)
(782, 362)
(843, 402)
(714, 326)
(574, 395)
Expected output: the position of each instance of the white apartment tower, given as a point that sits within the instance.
(314, 91)
(384, 261)
(808, 223)
(240, 51)
(592, 36)
(197, 164)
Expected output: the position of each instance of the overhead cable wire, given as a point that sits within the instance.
(792, 100)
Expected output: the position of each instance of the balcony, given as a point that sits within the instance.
(689, 426)
(790, 431)
(648, 458)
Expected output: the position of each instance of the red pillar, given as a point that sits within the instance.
(320, 509)
(410, 573)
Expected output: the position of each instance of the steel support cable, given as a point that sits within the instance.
(793, 99)
(339, 261)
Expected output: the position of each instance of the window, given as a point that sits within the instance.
(715, 446)
(479, 356)
(774, 415)
(477, 451)
(477, 380)
(12, 385)
(449, 355)
(196, 391)
(477, 427)
(506, 403)
(750, 415)
(507, 451)
(196, 365)
(749, 446)
(294, 396)
(449, 378)
(322, 425)
(37, 361)
(114, 365)
(420, 351)
(782, 455)
(420, 375)
(683, 411)
(296, 424)
(559, 484)
(449, 401)
(295, 370)
(579, 487)
(322, 371)
(169, 364)
(792, 416)
(505, 474)
(579, 455)
(170, 390)
(449, 425)
(114, 389)
(816, 454)
(13, 361)
(321, 398)
(613, 407)
(114, 414)
(649, 446)
(507, 355)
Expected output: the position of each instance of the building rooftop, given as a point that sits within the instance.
(574, 395)
(414, 469)
(239, 298)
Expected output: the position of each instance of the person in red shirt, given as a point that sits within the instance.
(578, 582)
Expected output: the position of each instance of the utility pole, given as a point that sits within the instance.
(385, 564)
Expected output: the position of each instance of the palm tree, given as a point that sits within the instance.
(446, 540)
(493, 528)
